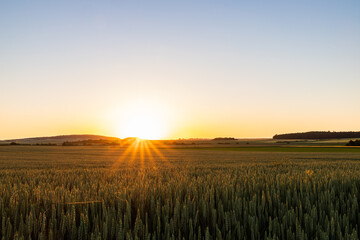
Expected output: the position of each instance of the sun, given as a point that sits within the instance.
(143, 125)
(142, 120)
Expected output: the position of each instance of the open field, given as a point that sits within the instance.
(313, 149)
(97, 140)
(54, 192)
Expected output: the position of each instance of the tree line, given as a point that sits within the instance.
(353, 143)
(317, 135)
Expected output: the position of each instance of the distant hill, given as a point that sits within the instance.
(318, 135)
(60, 139)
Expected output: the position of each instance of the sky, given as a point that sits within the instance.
(178, 69)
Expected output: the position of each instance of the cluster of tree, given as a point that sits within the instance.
(317, 135)
(16, 143)
(224, 139)
(44, 144)
(353, 143)
(90, 142)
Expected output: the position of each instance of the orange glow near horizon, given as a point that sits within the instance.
(141, 119)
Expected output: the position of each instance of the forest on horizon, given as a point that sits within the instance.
(318, 135)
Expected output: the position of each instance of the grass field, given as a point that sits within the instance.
(54, 192)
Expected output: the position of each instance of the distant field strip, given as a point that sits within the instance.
(281, 149)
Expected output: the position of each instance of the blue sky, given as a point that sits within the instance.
(239, 68)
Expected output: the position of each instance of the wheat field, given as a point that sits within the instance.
(54, 192)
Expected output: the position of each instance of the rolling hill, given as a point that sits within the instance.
(60, 139)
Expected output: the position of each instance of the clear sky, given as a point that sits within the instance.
(190, 68)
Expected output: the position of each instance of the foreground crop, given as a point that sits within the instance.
(314, 199)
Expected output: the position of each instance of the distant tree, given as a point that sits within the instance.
(224, 139)
(67, 143)
(318, 135)
(353, 143)
(14, 143)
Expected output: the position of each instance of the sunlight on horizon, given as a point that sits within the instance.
(140, 119)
